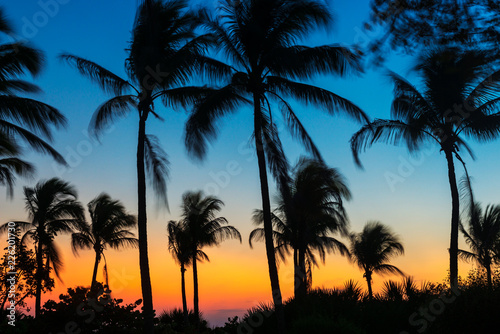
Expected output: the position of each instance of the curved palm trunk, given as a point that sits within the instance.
(268, 227)
(39, 273)
(147, 294)
(183, 289)
(455, 200)
(94, 273)
(195, 292)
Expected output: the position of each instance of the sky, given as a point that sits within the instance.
(409, 193)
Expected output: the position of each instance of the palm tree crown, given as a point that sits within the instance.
(373, 248)
(460, 99)
(109, 226)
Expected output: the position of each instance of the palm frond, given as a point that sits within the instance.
(106, 114)
(157, 166)
(322, 98)
(33, 114)
(201, 127)
(107, 80)
(34, 141)
(11, 166)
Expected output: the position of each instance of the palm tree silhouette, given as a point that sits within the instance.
(371, 250)
(53, 209)
(309, 211)
(109, 226)
(180, 248)
(21, 118)
(482, 234)
(163, 54)
(260, 38)
(202, 226)
(453, 104)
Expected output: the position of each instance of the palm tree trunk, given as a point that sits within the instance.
(266, 208)
(183, 289)
(297, 273)
(94, 273)
(455, 210)
(302, 289)
(488, 276)
(39, 273)
(368, 276)
(195, 292)
(147, 294)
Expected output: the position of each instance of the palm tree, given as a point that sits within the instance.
(110, 224)
(199, 221)
(53, 209)
(305, 218)
(22, 118)
(482, 237)
(482, 234)
(180, 248)
(371, 250)
(163, 54)
(259, 38)
(456, 101)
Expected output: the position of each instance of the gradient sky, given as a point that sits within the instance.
(417, 207)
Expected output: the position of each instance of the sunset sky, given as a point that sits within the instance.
(410, 194)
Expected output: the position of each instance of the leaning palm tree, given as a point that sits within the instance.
(21, 118)
(163, 54)
(371, 250)
(308, 213)
(457, 101)
(109, 226)
(53, 209)
(180, 248)
(204, 228)
(259, 38)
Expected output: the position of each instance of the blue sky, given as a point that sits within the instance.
(417, 205)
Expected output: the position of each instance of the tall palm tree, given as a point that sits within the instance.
(164, 52)
(371, 250)
(259, 38)
(21, 118)
(482, 234)
(109, 226)
(460, 98)
(204, 229)
(53, 209)
(305, 218)
(180, 248)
